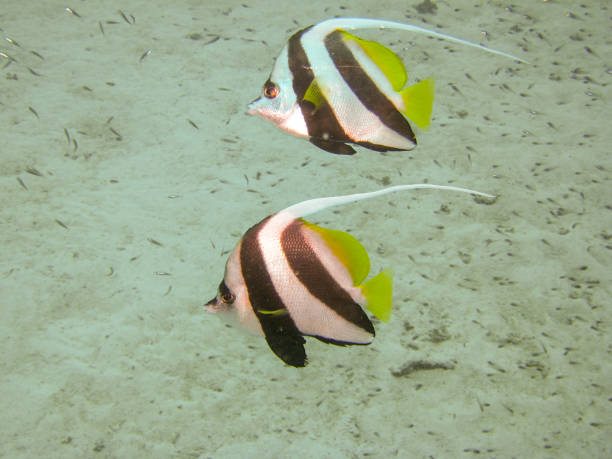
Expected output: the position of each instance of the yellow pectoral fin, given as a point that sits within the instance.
(272, 312)
(418, 102)
(346, 249)
(314, 95)
(385, 59)
(377, 292)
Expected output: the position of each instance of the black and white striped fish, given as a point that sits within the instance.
(288, 278)
(336, 88)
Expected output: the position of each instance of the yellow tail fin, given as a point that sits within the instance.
(377, 292)
(418, 102)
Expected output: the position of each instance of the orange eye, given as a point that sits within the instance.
(271, 90)
(228, 298)
(225, 294)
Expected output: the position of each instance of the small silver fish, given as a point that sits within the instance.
(288, 278)
(336, 88)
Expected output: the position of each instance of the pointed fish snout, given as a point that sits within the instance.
(252, 107)
(210, 303)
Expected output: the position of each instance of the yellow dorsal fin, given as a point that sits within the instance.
(347, 249)
(418, 98)
(378, 291)
(418, 102)
(313, 94)
(385, 59)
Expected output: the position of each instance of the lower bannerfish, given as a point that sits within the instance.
(288, 278)
(336, 88)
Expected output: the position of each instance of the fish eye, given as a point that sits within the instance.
(228, 298)
(225, 295)
(271, 90)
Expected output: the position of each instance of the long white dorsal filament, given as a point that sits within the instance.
(330, 25)
(304, 208)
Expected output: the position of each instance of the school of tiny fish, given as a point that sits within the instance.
(287, 279)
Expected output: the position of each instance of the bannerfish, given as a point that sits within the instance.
(288, 278)
(336, 88)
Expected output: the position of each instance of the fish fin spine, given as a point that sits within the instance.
(378, 292)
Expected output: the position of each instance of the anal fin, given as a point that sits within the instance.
(283, 337)
(338, 148)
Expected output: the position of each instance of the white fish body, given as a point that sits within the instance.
(335, 88)
(288, 278)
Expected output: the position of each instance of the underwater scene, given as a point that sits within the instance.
(253, 229)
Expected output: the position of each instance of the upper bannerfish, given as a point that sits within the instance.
(335, 88)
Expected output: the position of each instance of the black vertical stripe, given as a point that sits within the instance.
(262, 293)
(281, 333)
(320, 122)
(308, 268)
(364, 88)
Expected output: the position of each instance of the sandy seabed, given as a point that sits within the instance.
(127, 175)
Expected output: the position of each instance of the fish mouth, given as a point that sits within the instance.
(252, 108)
(210, 303)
